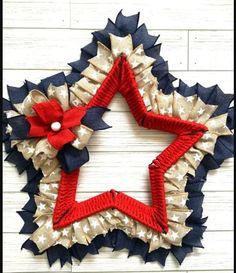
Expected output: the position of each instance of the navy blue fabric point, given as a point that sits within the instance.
(225, 146)
(80, 251)
(58, 252)
(5, 134)
(30, 206)
(230, 118)
(138, 248)
(205, 93)
(57, 80)
(31, 86)
(79, 65)
(158, 255)
(141, 36)
(101, 240)
(122, 241)
(154, 51)
(91, 48)
(112, 28)
(7, 146)
(93, 118)
(29, 226)
(166, 83)
(32, 186)
(73, 77)
(103, 37)
(181, 252)
(30, 245)
(6, 105)
(17, 94)
(186, 90)
(71, 158)
(18, 160)
(127, 24)
(32, 173)
(193, 238)
(20, 127)
(160, 69)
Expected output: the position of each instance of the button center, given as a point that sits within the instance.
(56, 126)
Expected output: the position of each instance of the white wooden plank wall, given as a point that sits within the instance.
(41, 37)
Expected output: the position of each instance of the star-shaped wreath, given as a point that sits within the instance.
(47, 127)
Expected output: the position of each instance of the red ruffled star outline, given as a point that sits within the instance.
(122, 79)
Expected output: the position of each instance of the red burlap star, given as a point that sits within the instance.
(121, 79)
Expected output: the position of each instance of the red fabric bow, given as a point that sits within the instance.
(49, 112)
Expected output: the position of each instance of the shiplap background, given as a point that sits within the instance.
(41, 37)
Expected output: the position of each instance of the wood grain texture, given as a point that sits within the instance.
(53, 44)
(202, 58)
(169, 14)
(41, 36)
(27, 14)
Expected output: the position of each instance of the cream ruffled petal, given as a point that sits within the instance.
(207, 143)
(54, 176)
(81, 93)
(27, 147)
(83, 134)
(49, 190)
(78, 235)
(65, 238)
(217, 125)
(59, 93)
(176, 199)
(103, 60)
(95, 75)
(194, 157)
(201, 112)
(181, 107)
(34, 96)
(43, 206)
(45, 236)
(145, 78)
(75, 101)
(49, 165)
(139, 61)
(175, 233)
(164, 103)
(121, 45)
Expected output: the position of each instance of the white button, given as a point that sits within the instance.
(56, 126)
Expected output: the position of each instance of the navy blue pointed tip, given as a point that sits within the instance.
(93, 118)
(71, 158)
(20, 127)
(31, 246)
(127, 24)
(6, 105)
(56, 79)
(17, 94)
(141, 36)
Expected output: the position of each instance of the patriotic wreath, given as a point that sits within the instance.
(47, 127)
